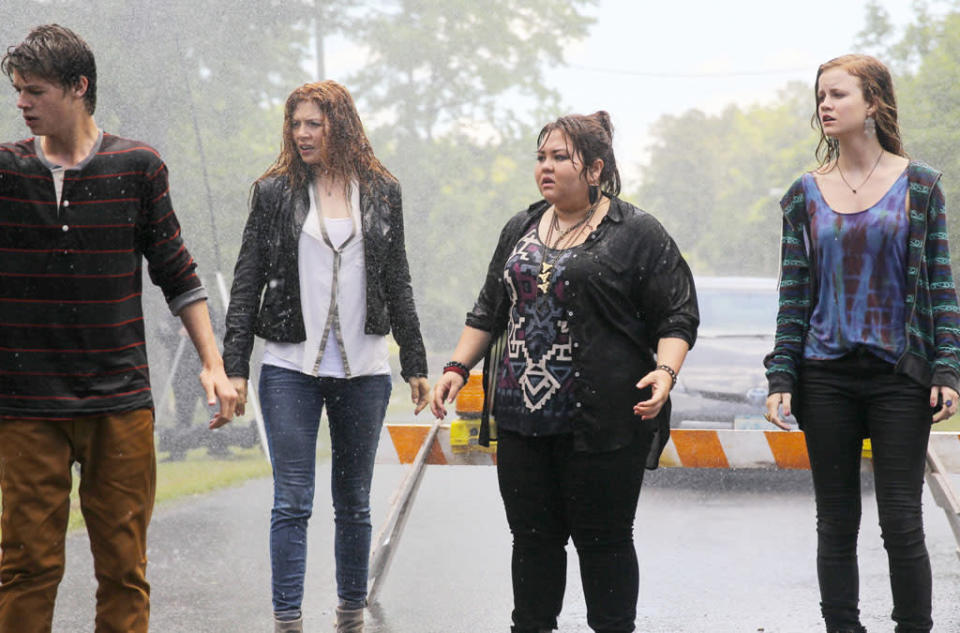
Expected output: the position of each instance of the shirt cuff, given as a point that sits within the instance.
(179, 302)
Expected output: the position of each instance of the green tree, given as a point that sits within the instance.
(434, 65)
(182, 79)
(877, 28)
(454, 94)
(185, 79)
(925, 61)
(715, 181)
(162, 66)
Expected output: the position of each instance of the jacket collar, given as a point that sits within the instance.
(301, 207)
(373, 195)
(922, 175)
(617, 210)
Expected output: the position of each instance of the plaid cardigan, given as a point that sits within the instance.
(932, 353)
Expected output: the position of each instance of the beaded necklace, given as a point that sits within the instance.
(565, 237)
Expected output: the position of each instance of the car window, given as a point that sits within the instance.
(731, 311)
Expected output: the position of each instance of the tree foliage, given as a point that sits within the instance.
(203, 83)
(434, 65)
(715, 180)
(454, 95)
(162, 65)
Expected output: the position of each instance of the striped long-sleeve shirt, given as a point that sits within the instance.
(71, 323)
(932, 354)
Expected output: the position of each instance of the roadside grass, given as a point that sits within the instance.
(196, 474)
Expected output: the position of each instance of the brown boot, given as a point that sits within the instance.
(288, 626)
(349, 620)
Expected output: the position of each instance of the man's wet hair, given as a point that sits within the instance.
(57, 54)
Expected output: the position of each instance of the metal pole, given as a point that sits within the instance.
(389, 536)
(202, 155)
(318, 40)
(221, 284)
(944, 494)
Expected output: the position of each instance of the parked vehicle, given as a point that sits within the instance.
(722, 384)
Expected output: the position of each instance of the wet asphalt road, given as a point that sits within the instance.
(719, 552)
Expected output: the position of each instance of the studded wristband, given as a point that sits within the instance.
(673, 374)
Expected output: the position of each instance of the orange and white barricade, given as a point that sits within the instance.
(455, 444)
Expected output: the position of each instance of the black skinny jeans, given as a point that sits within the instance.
(840, 403)
(551, 493)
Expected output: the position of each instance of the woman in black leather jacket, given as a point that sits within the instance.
(324, 246)
(585, 289)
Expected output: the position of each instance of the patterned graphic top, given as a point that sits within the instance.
(534, 389)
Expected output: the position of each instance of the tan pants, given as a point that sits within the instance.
(117, 486)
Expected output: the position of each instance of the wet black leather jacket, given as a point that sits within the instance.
(268, 260)
(635, 289)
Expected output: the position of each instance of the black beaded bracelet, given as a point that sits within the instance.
(458, 368)
(673, 374)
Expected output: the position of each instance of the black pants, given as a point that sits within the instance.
(840, 403)
(551, 493)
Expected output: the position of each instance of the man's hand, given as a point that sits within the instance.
(215, 383)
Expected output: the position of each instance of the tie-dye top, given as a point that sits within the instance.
(535, 384)
(861, 260)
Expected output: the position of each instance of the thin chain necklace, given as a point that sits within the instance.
(565, 237)
(327, 184)
(854, 190)
(326, 191)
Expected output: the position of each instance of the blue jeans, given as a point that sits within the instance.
(840, 403)
(292, 403)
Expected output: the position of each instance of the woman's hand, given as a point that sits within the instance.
(777, 403)
(240, 384)
(661, 382)
(949, 402)
(445, 391)
(219, 389)
(419, 393)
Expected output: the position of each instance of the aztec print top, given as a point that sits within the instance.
(535, 383)
(862, 259)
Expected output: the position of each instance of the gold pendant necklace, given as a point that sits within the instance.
(568, 235)
(546, 270)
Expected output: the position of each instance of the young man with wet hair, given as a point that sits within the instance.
(80, 209)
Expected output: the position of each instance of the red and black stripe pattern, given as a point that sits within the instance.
(71, 323)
